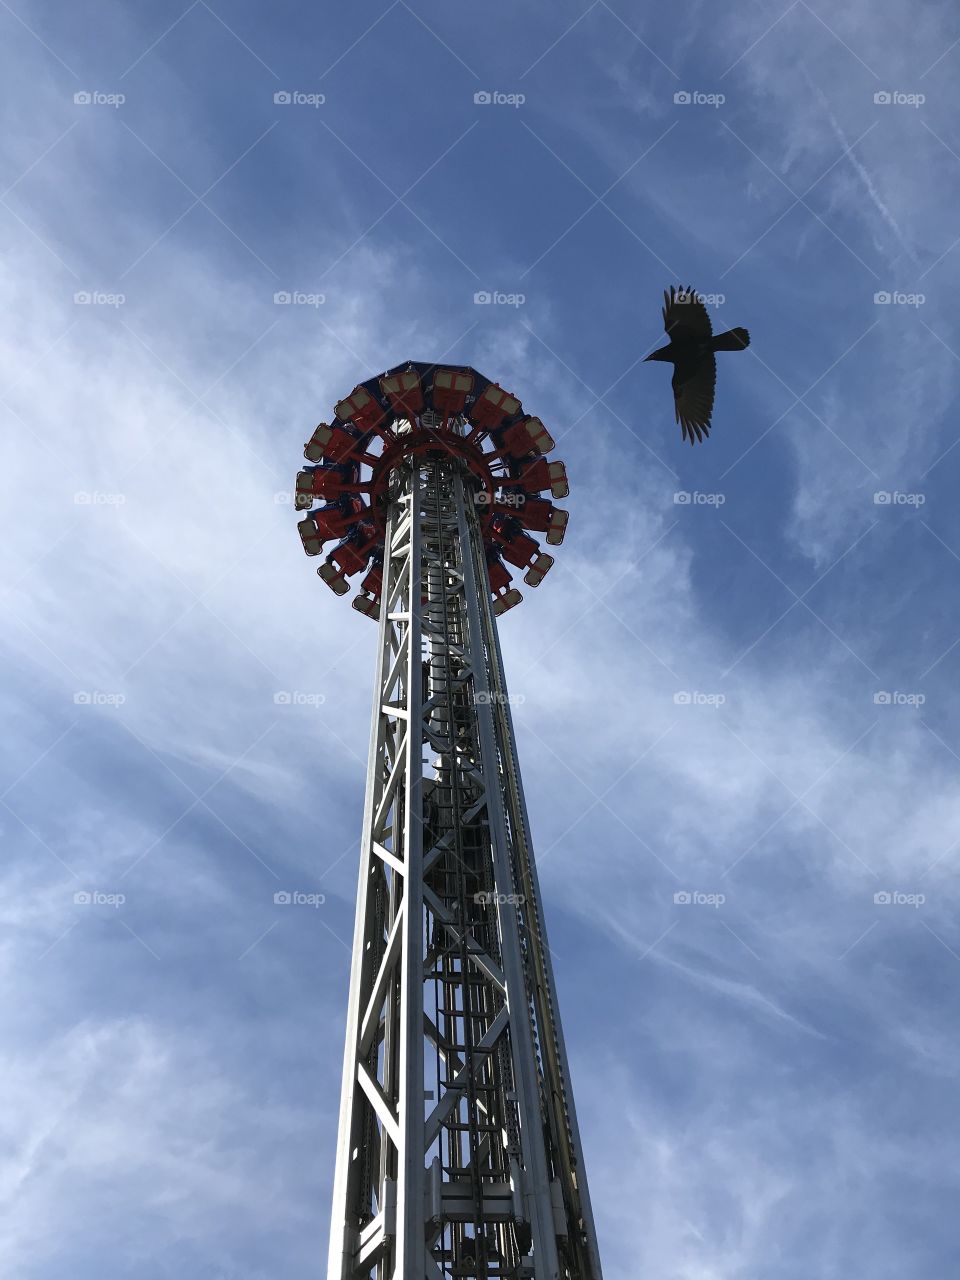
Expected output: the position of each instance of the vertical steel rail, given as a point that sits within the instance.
(348, 1191)
(556, 1063)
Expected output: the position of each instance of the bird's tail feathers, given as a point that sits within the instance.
(732, 340)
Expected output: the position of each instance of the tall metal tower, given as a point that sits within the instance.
(459, 1153)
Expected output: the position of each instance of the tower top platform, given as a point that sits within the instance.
(414, 410)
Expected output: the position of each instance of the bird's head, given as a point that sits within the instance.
(657, 355)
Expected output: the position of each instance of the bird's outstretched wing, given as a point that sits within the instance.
(694, 383)
(684, 315)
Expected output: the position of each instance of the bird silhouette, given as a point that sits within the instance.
(690, 351)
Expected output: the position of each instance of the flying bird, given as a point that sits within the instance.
(690, 351)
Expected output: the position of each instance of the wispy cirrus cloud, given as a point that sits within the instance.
(775, 1067)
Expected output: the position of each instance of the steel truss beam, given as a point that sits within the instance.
(459, 1153)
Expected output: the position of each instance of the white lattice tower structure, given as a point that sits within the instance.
(459, 1153)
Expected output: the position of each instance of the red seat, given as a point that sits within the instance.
(373, 582)
(334, 580)
(368, 600)
(349, 559)
(324, 482)
(543, 517)
(492, 407)
(329, 522)
(508, 600)
(404, 392)
(361, 409)
(352, 554)
(540, 475)
(526, 437)
(519, 549)
(333, 443)
(538, 569)
(450, 391)
(504, 596)
(365, 605)
(310, 536)
(499, 574)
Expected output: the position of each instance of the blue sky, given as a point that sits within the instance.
(750, 696)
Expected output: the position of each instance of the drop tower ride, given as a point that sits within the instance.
(459, 1154)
